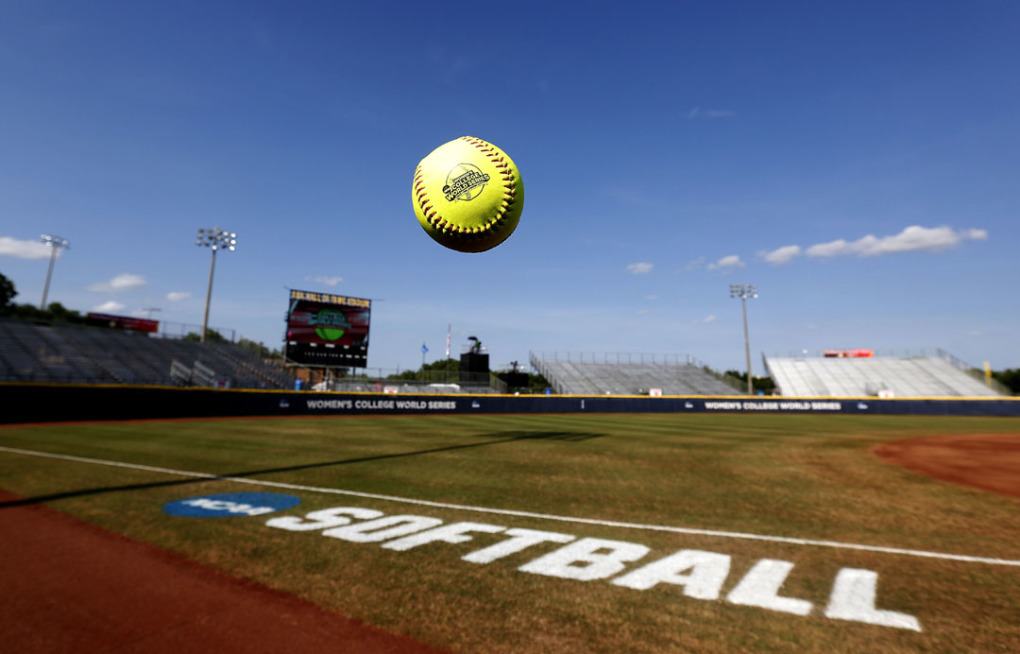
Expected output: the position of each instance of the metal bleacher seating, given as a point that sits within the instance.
(939, 375)
(80, 354)
(630, 374)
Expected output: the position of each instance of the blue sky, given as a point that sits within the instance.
(858, 162)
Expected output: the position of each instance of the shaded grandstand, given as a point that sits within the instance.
(93, 355)
(930, 375)
(574, 373)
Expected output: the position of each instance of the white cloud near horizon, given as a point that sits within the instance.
(177, 296)
(111, 305)
(912, 239)
(640, 268)
(731, 261)
(119, 283)
(12, 247)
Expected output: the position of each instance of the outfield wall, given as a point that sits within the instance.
(57, 403)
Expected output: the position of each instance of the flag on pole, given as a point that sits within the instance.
(424, 349)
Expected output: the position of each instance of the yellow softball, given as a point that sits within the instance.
(468, 195)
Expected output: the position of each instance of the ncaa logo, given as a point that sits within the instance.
(226, 505)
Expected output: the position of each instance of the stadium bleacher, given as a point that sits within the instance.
(32, 352)
(631, 374)
(80, 354)
(936, 375)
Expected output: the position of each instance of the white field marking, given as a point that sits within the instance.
(527, 514)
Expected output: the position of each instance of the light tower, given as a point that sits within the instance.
(215, 239)
(55, 243)
(744, 291)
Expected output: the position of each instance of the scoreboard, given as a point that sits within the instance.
(327, 330)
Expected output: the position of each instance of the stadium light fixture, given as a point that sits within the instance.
(55, 243)
(215, 239)
(744, 291)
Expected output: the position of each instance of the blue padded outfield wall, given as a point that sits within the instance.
(21, 403)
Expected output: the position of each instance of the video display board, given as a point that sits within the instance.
(126, 323)
(859, 353)
(327, 330)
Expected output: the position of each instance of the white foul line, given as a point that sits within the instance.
(526, 514)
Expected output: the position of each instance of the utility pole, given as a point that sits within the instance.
(744, 291)
(216, 239)
(55, 243)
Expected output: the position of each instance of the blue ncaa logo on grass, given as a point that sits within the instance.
(226, 505)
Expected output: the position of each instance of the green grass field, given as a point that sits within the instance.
(749, 480)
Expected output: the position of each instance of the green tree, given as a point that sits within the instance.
(764, 384)
(55, 312)
(1010, 378)
(520, 381)
(59, 313)
(211, 336)
(442, 371)
(259, 348)
(7, 292)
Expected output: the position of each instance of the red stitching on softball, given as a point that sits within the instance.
(500, 162)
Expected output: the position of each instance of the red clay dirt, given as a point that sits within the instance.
(67, 586)
(987, 461)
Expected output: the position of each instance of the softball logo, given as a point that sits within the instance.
(465, 182)
(330, 324)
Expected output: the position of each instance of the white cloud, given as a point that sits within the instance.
(830, 249)
(708, 319)
(328, 281)
(24, 249)
(912, 239)
(106, 307)
(177, 296)
(731, 261)
(640, 268)
(119, 283)
(782, 255)
(651, 298)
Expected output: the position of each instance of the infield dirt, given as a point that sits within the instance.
(71, 587)
(987, 461)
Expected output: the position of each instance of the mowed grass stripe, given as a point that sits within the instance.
(525, 514)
